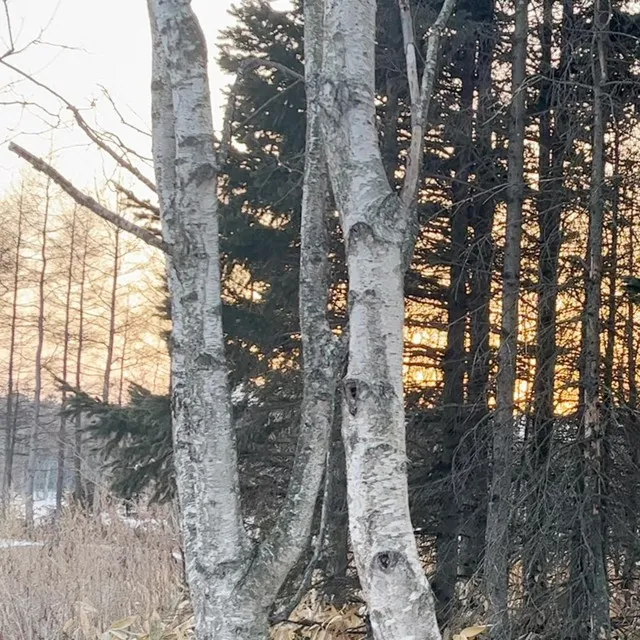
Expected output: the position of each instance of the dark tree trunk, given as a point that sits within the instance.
(590, 593)
(454, 358)
(481, 252)
(497, 555)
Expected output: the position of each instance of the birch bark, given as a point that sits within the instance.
(377, 227)
(233, 584)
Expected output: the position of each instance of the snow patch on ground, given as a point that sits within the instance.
(9, 544)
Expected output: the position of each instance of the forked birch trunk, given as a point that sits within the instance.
(377, 226)
(233, 584)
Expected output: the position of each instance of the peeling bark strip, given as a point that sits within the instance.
(378, 229)
(233, 586)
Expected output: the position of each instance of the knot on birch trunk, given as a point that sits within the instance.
(353, 391)
(387, 560)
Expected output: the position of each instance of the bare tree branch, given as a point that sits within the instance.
(12, 47)
(87, 201)
(248, 64)
(410, 54)
(420, 99)
(133, 199)
(107, 95)
(84, 125)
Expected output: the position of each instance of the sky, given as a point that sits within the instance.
(83, 45)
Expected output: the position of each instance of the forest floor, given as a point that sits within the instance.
(108, 576)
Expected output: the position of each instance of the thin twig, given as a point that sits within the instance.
(138, 202)
(84, 125)
(12, 47)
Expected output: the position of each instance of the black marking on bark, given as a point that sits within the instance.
(192, 296)
(386, 560)
(359, 230)
(202, 174)
(205, 361)
(350, 391)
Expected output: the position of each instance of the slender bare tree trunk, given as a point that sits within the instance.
(632, 504)
(10, 425)
(497, 554)
(62, 432)
(592, 566)
(112, 318)
(79, 485)
(454, 363)
(551, 161)
(32, 462)
(123, 355)
(481, 215)
(612, 277)
(336, 534)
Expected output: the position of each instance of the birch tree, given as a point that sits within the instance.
(234, 581)
(237, 603)
(379, 229)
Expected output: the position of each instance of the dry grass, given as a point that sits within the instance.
(91, 577)
(87, 572)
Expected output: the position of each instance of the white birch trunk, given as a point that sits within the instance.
(216, 545)
(375, 223)
(233, 586)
